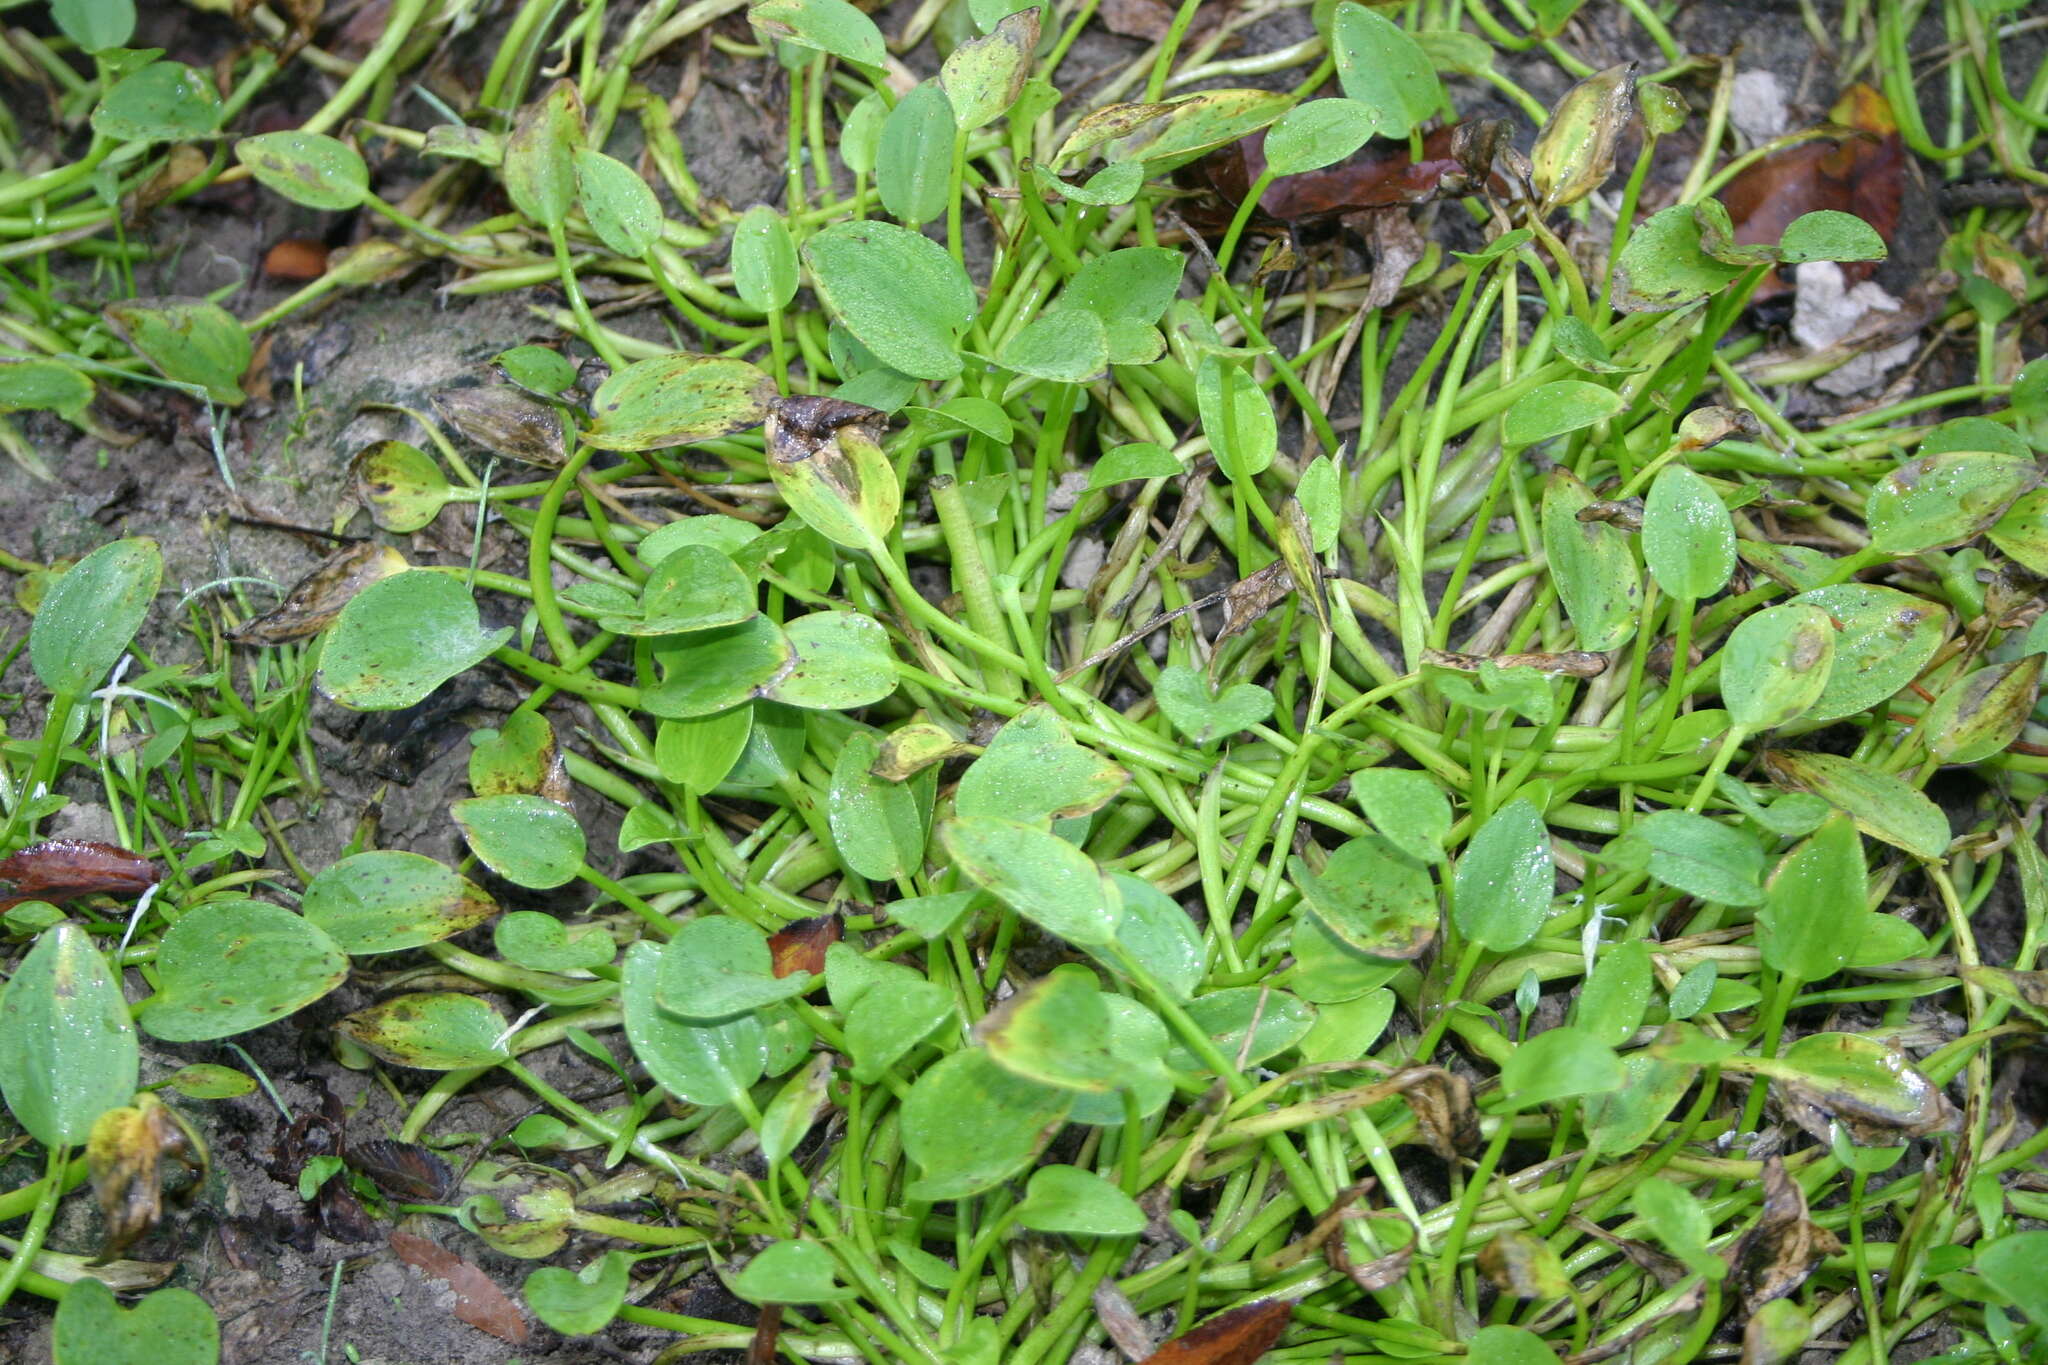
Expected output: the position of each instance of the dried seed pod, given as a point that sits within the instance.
(1574, 154)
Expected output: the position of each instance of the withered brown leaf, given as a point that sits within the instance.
(1774, 1258)
(506, 422)
(65, 869)
(478, 1300)
(125, 1156)
(800, 945)
(315, 600)
(404, 1169)
(1238, 1337)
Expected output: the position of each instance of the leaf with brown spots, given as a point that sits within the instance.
(506, 422)
(800, 945)
(478, 1300)
(1238, 1337)
(64, 869)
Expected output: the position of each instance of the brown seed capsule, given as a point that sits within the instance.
(1574, 154)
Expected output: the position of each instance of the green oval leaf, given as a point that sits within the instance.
(1941, 500)
(187, 341)
(1688, 536)
(907, 300)
(674, 400)
(1067, 1199)
(833, 26)
(1592, 565)
(90, 614)
(167, 1327)
(1776, 664)
(528, 840)
(617, 203)
(970, 1125)
(313, 169)
(914, 162)
(68, 1052)
(430, 1031)
(1814, 904)
(708, 1064)
(1038, 874)
(386, 900)
(231, 966)
(582, 1302)
(402, 637)
(764, 265)
(1501, 893)
(1557, 408)
(1384, 70)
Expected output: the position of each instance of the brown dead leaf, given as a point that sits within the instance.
(125, 1155)
(1774, 1258)
(315, 600)
(1378, 176)
(65, 869)
(1121, 1321)
(1238, 1337)
(506, 422)
(1666, 1270)
(1381, 1272)
(1295, 1252)
(1246, 600)
(1575, 663)
(404, 1169)
(1443, 1108)
(1149, 19)
(1523, 1265)
(478, 1300)
(800, 945)
(296, 258)
(1857, 166)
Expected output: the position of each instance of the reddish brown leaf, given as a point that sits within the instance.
(296, 258)
(478, 1300)
(1149, 19)
(1858, 167)
(1377, 176)
(799, 946)
(64, 869)
(1238, 1337)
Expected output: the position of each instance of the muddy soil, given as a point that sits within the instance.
(284, 1291)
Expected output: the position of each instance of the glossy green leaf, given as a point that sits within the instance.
(843, 661)
(882, 1026)
(166, 1327)
(1885, 638)
(2012, 1265)
(1038, 874)
(1373, 897)
(1941, 500)
(1064, 345)
(188, 341)
(430, 1031)
(1328, 970)
(1557, 409)
(540, 941)
(95, 25)
(583, 1302)
(1561, 1064)
(539, 168)
(764, 264)
(1612, 1003)
(697, 753)
(1237, 417)
(68, 1052)
(1814, 904)
(970, 1125)
(1700, 857)
(1407, 807)
(90, 614)
(1830, 235)
(1502, 1344)
(1055, 1031)
(716, 670)
(1592, 565)
(1622, 1120)
(914, 161)
(402, 637)
(228, 967)
(1203, 717)
(878, 826)
(907, 300)
(530, 841)
(705, 1064)
(833, 26)
(1349, 1029)
(1383, 70)
(1501, 893)
(1135, 460)
(1066, 1199)
(1248, 1025)
(312, 169)
(1688, 536)
(1034, 770)
(1662, 267)
(1859, 1082)
(790, 1272)
(44, 386)
(162, 102)
(617, 203)
(717, 966)
(1776, 664)
(541, 370)
(675, 400)
(1157, 933)
(400, 484)
(386, 900)
(695, 588)
(1318, 133)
